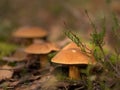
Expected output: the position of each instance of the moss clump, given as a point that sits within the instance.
(6, 49)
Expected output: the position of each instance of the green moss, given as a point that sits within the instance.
(113, 58)
(61, 76)
(6, 49)
(12, 64)
(51, 55)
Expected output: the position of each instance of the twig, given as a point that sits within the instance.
(93, 25)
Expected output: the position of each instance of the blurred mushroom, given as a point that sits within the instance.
(41, 49)
(18, 60)
(29, 34)
(72, 57)
(17, 56)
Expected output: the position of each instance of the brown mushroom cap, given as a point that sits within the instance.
(71, 57)
(73, 45)
(18, 55)
(30, 32)
(70, 45)
(41, 48)
(53, 46)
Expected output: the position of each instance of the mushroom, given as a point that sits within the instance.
(41, 49)
(72, 57)
(30, 33)
(73, 45)
(18, 56)
(70, 45)
(18, 60)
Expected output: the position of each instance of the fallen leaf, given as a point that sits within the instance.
(6, 72)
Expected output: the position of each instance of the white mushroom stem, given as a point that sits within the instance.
(43, 60)
(74, 72)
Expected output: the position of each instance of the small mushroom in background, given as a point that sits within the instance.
(18, 56)
(73, 57)
(28, 34)
(17, 60)
(42, 49)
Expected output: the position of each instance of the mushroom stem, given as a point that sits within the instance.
(43, 60)
(29, 41)
(74, 72)
(25, 42)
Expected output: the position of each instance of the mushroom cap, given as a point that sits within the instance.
(18, 56)
(30, 32)
(70, 45)
(71, 57)
(41, 48)
(73, 45)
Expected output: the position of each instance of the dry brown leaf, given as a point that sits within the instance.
(5, 72)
